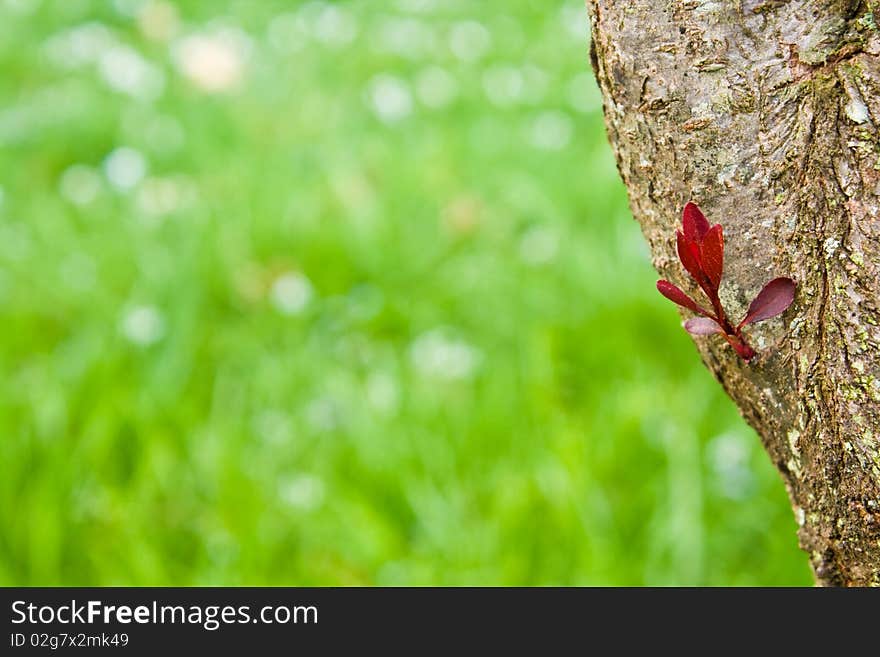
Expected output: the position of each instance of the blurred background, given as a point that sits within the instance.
(342, 293)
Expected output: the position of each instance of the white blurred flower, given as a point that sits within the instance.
(407, 37)
(80, 184)
(437, 353)
(291, 293)
(127, 8)
(143, 325)
(125, 168)
(436, 88)
(504, 85)
(158, 197)
(728, 457)
(213, 62)
(22, 6)
(576, 20)
(79, 45)
(303, 491)
(322, 414)
(382, 392)
(332, 25)
(469, 40)
(552, 131)
(390, 98)
(273, 425)
(126, 71)
(539, 245)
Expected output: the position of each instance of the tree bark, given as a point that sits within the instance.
(766, 113)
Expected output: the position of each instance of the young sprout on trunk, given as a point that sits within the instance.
(701, 252)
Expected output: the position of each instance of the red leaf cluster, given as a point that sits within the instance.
(701, 252)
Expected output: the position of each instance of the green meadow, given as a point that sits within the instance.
(344, 293)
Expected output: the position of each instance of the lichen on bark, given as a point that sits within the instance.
(767, 115)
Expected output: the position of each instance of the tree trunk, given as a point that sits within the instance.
(766, 114)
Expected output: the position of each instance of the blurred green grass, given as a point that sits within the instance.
(344, 293)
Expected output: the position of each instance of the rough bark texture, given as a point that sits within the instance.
(767, 115)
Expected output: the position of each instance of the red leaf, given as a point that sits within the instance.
(776, 296)
(702, 326)
(675, 295)
(712, 254)
(689, 254)
(694, 223)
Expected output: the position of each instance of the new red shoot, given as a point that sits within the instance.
(701, 252)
